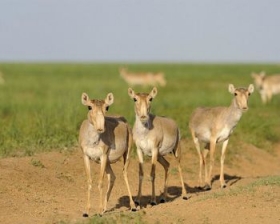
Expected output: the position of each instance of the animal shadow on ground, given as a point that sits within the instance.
(230, 180)
(173, 193)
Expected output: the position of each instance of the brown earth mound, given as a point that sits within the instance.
(51, 188)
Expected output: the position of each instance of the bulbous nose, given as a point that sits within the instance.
(143, 117)
(100, 130)
(100, 123)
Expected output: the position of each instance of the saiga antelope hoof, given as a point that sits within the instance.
(162, 200)
(153, 203)
(137, 203)
(223, 186)
(207, 187)
(134, 209)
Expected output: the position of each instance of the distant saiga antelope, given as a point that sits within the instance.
(142, 78)
(154, 136)
(104, 140)
(214, 125)
(267, 85)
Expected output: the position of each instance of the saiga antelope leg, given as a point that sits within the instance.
(201, 160)
(222, 179)
(126, 159)
(141, 174)
(204, 158)
(269, 95)
(264, 97)
(153, 174)
(177, 155)
(89, 182)
(103, 163)
(165, 165)
(212, 160)
(111, 180)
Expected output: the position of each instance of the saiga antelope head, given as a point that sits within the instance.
(241, 96)
(97, 110)
(142, 104)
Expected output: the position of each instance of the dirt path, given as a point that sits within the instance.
(51, 187)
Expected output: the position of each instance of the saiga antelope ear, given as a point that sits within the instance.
(85, 99)
(153, 93)
(231, 88)
(251, 88)
(109, 99)
(131, 93)
(262, 74)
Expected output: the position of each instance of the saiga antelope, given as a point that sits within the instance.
(142, 78)
(154, 136)
(104, 140)
(214, 125)
(267, 85)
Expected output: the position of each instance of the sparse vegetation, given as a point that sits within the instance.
(119, 218)
(248, 189)
(37, 163)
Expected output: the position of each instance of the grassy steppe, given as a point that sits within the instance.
(41, 110)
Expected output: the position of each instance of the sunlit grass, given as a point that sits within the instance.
(41, 110)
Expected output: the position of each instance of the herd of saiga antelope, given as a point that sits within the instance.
(105, 139)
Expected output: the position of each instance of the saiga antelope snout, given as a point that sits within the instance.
(143, 105)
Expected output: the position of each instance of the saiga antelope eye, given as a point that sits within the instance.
(134, 99)
(107, 108)
(89, 108)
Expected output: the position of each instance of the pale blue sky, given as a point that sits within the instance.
(140, 31)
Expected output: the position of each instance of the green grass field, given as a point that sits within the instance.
(41, 110)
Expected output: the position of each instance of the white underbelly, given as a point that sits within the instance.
(224, 134)
(94, 153)
(221, 136)
(147, 146)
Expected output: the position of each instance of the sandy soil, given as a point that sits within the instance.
(51, 188)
